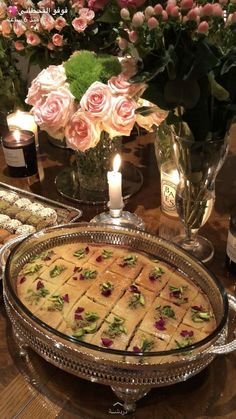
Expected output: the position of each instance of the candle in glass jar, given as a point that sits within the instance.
(115, 185)
(169, 183)
(20, 153)
(23, 121)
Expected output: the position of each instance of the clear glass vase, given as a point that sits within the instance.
(93, 164)
(198, 164)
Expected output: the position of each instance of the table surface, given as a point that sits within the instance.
(35, 388)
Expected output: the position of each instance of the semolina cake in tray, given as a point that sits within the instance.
(116, 298)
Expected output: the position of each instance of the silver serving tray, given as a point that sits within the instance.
(130, 381)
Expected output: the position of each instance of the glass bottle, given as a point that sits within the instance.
(231, 244)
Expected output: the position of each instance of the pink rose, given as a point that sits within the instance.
(57, 40)
(46, 4)
(120, 86)
(47, 22)
(97, 100)
(97, 4)
(82, 133)
(6, 28)
(32, 39)
(19, 28)
(77, 4)
(130, 3)
(87, 13)
(53, 111)
(79, 24)
(47, 80)
(19, 46)
(60, 23)
(122, 117)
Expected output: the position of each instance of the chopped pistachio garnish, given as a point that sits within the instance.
(35, 296)
(178, 293)
(156, 273)
(43, 256)
(57, 303)
(129, 260)
(165, 311)
(146, 345)
(136, 299)
(91, 316)
(184, 342)
(106, 254)
(106, 288)
(57, 270)
(200, 316)
(80, 253)
(31, 269)
(116, 328)
(89, 273)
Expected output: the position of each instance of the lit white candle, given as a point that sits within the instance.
(23, 120)
(115, 185)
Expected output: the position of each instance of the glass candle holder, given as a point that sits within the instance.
(20, 153)
(23, 121)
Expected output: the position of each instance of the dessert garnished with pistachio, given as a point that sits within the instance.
(116, 299)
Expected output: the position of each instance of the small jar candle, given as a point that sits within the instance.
(23, 121)
(20, 153)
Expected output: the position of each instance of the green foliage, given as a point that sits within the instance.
(85, 68)
(12, 89)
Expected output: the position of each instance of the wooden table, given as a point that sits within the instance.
(33, 388)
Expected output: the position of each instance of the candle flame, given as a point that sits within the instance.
(16, 135)
(116, 163)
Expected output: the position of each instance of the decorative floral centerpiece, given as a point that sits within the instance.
(49, 31)
(187, 55)
(87, 96)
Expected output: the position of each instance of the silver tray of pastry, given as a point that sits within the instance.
(23, 212)
(116, 306)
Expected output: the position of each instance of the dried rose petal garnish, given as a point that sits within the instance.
(21, 279)
(107, 342)
(99, 258)
(75, 278)
(186, 333)
(77, 269)
(160, 324)
(79, 310)
(175, 294)
(106, 292)
(136, 349)
(133, 288)
(78, 316)
(39, 285)
(81, 277)
(86, 249)
(196, 308)
(66, 298)
(46, 258)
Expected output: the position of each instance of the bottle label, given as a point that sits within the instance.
(168, 192)
(231, 247)
(14, 157)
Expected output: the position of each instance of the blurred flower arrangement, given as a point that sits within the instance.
(187, 56)
(49, 31)
(86, 96)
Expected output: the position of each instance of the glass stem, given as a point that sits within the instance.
(191, 238)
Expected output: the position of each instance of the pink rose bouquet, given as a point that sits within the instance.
(87, 96)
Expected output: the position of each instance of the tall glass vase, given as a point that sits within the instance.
(198, 163)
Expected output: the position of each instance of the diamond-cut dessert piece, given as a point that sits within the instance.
(58, 305)
(107, 289)
(114, 333)
(154, 276)
(84, 276)
(162, 319)
(200, 315)
(134, 304)
(84, 319)
(58, 272)
(46, 257)
(179, 291)
(145, 342)
(36, 293)
(77, 253)
(32, 270)
(128, 265)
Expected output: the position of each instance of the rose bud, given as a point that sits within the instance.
(152, 23)
(203, 27)
(138, 19)
(124, 13)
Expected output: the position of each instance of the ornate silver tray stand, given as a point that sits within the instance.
(130, 381)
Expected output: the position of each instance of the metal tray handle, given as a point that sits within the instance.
(231, 346)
